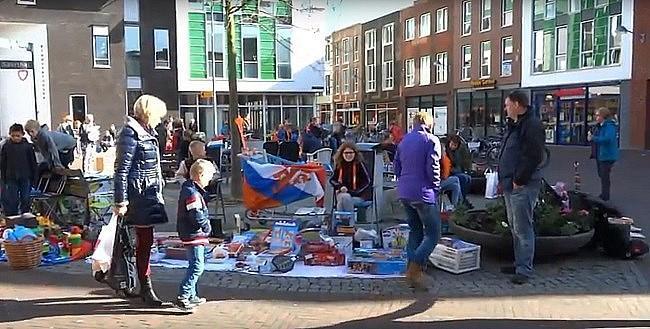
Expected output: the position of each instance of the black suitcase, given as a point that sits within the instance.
(122, 276)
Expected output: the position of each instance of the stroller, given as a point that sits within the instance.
(122, 275)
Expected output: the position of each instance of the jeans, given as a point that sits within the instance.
(17, 196)
(604, 170)
(519, 208)
(465, 182)
(452, 184)
(424, 221)
(196, 259)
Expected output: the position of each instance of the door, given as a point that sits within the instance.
(78, 107)
(572, 119)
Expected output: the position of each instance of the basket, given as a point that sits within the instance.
(466, 258)
(24, 255)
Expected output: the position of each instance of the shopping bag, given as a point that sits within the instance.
(101, 258)
(491, 184)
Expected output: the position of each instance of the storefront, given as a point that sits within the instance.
(264, 112)
(381, 115)
(435, 105)
(349, 113)
(568, 113)
(325, 113)
(481, 110)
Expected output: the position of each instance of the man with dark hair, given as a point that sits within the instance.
(18, 170)
(521, 154)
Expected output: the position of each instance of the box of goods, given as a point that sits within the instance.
(284, 236)
(332, 257)
(396, 237)
(344, 244)
(377, 262)
(456, 256)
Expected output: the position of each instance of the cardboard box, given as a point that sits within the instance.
(396, 237)
(377, 262)
(344, 244)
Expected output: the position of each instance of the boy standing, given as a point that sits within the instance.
(18, 171)
(193, 227)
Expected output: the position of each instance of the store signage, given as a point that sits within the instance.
(483, 83)
(206, 94)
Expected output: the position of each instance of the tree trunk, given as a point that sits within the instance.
(233, 104)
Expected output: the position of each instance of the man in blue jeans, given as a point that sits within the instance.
(417, 166)
(522, 151)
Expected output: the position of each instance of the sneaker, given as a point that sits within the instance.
(183, 304)
(196, 300)
(508, 270)
(519, 279)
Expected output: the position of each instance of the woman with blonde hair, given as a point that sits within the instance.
(139, 183)
(605, 142)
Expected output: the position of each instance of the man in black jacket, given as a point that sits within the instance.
(18, 170)
(521, 154)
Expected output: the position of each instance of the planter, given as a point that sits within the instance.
(544, 245)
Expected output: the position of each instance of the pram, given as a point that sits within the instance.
(271, 182)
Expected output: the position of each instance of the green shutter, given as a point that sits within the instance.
(267, 48)
(587, 4)
(217, 7)
(573, 50)
(561, 7)
(198, 69)
(283, 8)
(600, 36)
(238, 45)
(249, 8)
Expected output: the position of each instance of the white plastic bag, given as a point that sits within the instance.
(101, 258)
(491, 184)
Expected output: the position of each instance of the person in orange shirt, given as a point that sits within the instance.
(449, 183)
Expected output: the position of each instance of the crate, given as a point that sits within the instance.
(463, 258)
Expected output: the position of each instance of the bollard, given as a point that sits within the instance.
(576, 176)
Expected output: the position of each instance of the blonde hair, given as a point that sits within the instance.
(202, 166)
(423, 118)
(149, 108)
(604, 112)
(32, 125)
(196, 145)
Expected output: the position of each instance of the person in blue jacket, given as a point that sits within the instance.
(605, 142)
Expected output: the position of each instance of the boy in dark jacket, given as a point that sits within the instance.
(193, 227)
(18, 171)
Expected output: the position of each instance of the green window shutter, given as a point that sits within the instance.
(587, 4)
(198, 69)
(282, 8)
(562, 7)
(250, 7)
(238, 45)
(600, 36)
(573, 31)
(217, 7)
(267, 48)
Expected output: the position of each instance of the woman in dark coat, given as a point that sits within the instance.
(138, 184)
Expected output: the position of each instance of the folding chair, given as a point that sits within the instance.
(218, 218)
(323, 156)
(50, 190)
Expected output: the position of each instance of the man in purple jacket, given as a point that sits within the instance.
(417, 187)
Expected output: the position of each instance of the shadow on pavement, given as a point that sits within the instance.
(388, 321)
(12, 310)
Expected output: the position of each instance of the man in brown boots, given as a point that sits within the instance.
(417, 166)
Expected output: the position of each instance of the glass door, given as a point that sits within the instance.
(571, 122)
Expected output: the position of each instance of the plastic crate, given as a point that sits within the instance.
(463, 258)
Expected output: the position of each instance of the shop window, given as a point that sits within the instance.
(464, 103)
(603, 96)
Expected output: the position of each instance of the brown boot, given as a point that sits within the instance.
(414, 274)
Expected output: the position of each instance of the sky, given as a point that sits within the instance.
(343, 13)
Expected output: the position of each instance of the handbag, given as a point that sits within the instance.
(491, 184)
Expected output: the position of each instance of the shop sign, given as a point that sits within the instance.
(483, 83)
(205, 94)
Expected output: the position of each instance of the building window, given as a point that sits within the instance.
(355, 80)
(409, 29)
(216, 55)
(561, 48)
(486, 57)
(600, 3)
(466, 53)
(161, 48)
(614, 54)
(249, 49)
(132, 11)
(549, 9)
(371, 73)
(506, 18)
(328, 84)
(328, 55)
(409, 68)
(538, 51)
(387, 56)
(355, 49)
(26, 2)
(587, 44)
(101, 47)
(506, 56)
(486, 15)
(425, 70)
(337, 55)
(346, 81)
(337, 81)
(548, 52)
(283, 52)
(441, 67)
(442, 19)
(132, 50)
(425, 25)
(346, 50)
(575, 6)
(467, 18)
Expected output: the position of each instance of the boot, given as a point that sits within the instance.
(413, 274)
(148, 295)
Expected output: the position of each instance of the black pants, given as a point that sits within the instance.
(604, 171)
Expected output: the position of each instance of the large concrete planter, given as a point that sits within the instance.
(544, 245)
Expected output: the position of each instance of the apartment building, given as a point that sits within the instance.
(347, 66)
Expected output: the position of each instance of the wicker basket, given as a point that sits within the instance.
(24, 255)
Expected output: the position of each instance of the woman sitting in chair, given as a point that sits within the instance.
(351, 181)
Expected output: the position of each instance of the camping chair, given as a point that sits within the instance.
(50, 190)
(322, 156)
(289, 151)
(218, 218)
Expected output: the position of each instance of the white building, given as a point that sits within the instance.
(279, 48)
